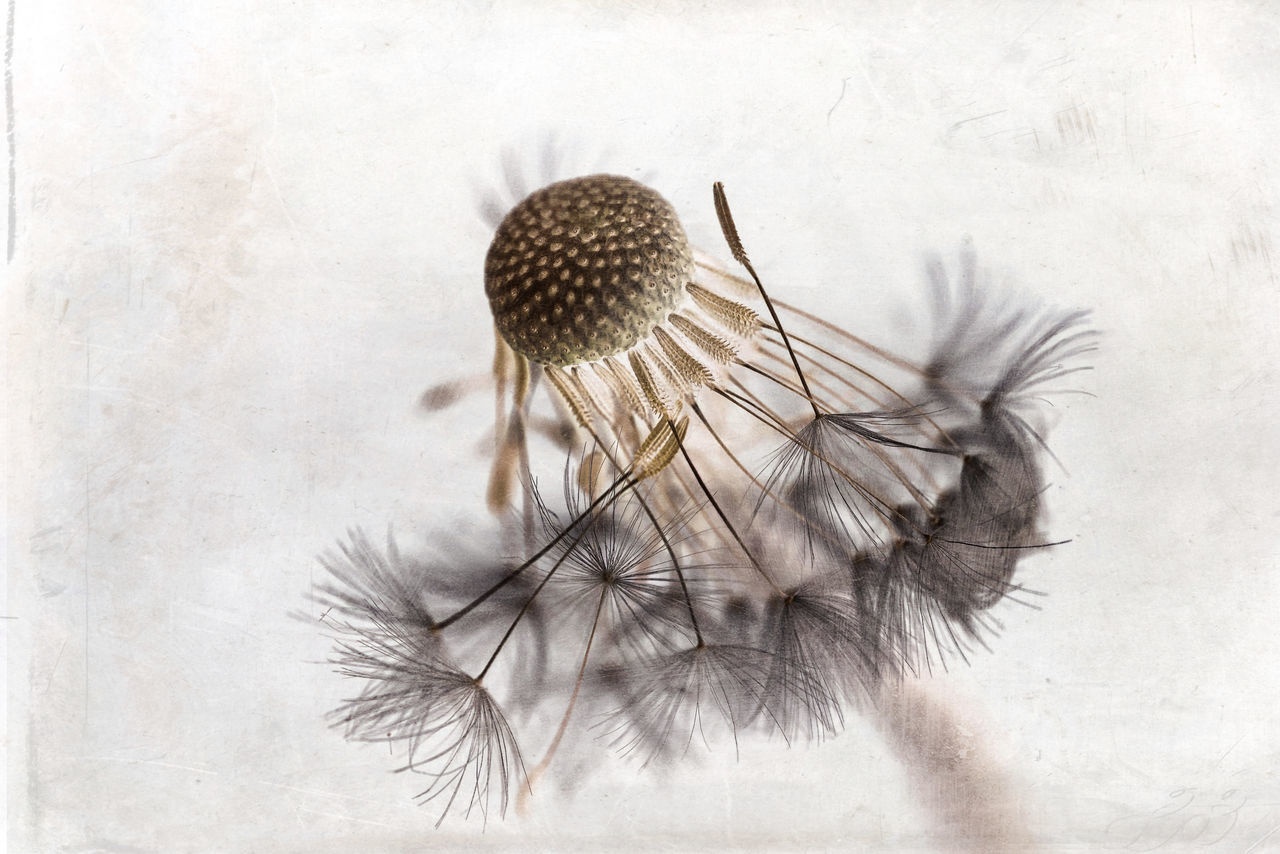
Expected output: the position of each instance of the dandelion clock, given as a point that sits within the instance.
(725, 515)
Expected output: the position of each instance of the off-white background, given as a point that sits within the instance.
(247, 239)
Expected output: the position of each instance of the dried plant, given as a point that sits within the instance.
(765, 518)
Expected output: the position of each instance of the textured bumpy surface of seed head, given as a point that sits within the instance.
(585, 268)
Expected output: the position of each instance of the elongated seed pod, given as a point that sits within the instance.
(659, 448)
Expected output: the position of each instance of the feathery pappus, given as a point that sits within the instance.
(761, 517)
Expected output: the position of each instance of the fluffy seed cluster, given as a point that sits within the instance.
(761, 522)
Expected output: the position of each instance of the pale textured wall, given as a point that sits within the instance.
(247, 240)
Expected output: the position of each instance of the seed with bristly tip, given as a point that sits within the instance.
(585, 268)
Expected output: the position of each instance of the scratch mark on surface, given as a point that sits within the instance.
(844, 84)
(1191, 18)
(54, 670)
(88, 533)
(872, 88)
(1028, 27)
(271, 175)
(322, 792)
(953, 128)
(1128, 143)
(349, 818)
(1218, 764)
(1270, 833)
(159, 764)
(1034, 134)
(11, 123)
(1058, 62)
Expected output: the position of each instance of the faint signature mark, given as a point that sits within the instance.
(1201, 817)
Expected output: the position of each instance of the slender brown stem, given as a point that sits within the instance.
(702, 484)
(740, 255)
(573, 699)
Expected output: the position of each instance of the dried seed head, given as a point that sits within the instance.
(586, 268)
